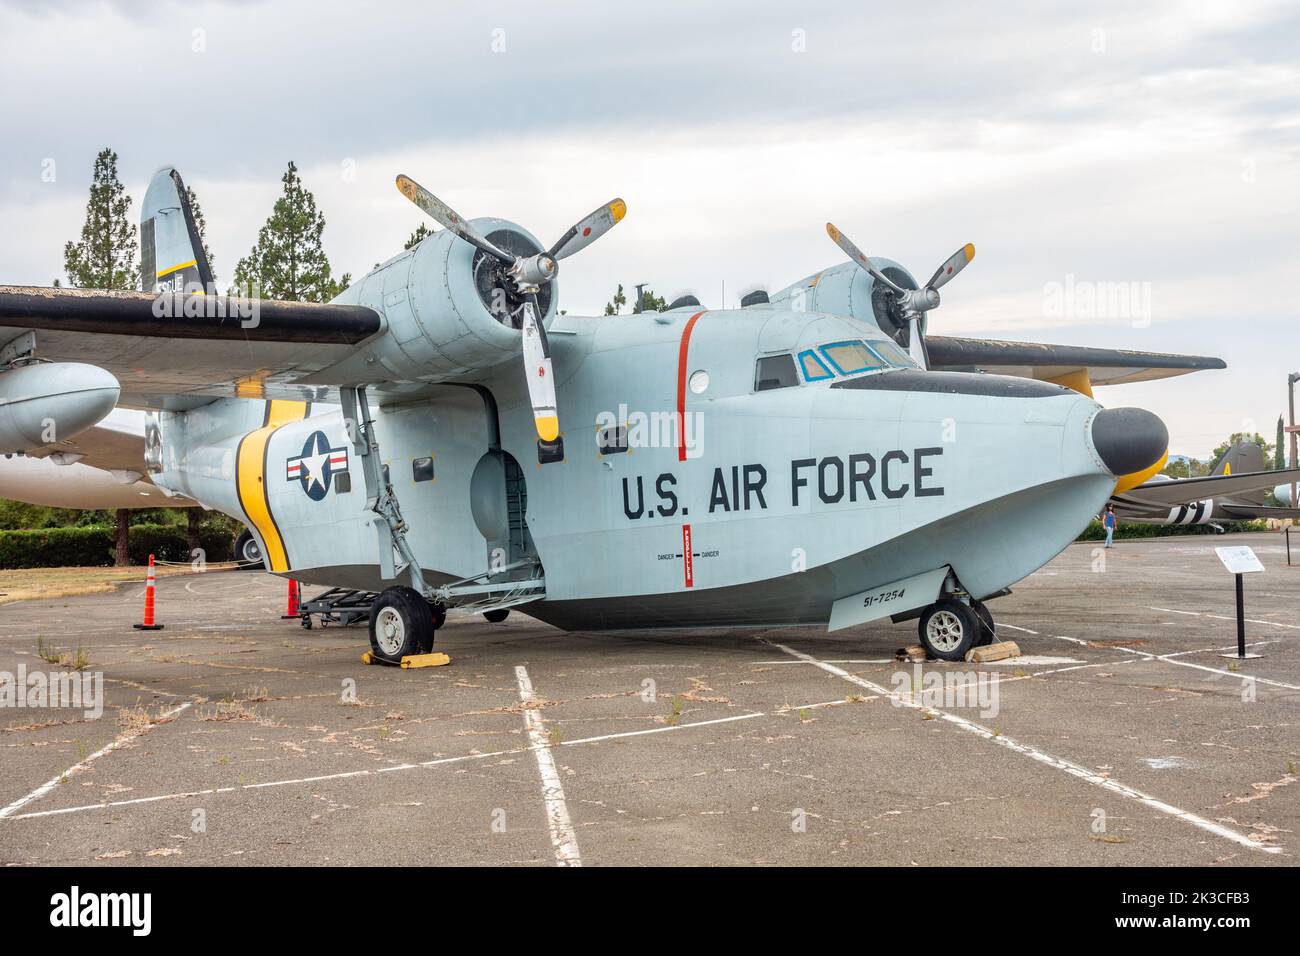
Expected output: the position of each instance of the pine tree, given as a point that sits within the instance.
(1279, 450)
(421, 231)
(105, 256)
(202, 226)
(288, 261)
(650, 303)
(620, 299)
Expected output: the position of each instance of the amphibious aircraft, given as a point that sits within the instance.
(442, 435)
(1233, 491)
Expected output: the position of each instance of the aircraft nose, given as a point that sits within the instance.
(1128, 439)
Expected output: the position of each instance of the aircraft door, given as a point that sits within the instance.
(499, 505)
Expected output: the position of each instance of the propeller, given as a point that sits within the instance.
(912, 304)
(528, 274)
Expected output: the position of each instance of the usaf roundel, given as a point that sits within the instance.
(317, 465)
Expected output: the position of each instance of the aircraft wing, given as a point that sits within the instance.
(213, 351)
(1181, 491)
(1051, 362)
(106, 446)
(1259, 511)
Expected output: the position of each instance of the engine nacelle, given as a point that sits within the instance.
(1283, 495)
(45, 402)
(449, 312)
(847, 289)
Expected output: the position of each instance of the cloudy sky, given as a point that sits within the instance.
(1093, 143)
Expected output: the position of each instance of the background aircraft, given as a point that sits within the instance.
(1235, 490)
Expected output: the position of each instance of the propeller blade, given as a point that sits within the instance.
(856, 254)
(955, 264)
(589, 229)
(537, 370)
(448, 217)
(916, 343)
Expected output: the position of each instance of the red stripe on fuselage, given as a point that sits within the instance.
(681, 384)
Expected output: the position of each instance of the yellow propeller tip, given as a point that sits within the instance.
(832, 231)
(617, 209)
(548, 429)
(970, 251)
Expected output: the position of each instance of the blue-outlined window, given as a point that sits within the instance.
(852, 356)
(814, 369)
(892, 354)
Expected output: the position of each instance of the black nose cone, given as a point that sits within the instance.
(1128, 439)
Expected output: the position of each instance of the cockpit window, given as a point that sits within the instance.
(775, 371)
(892, 354)
(849, 357)
(814, 369)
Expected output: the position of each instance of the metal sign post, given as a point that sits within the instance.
(1240, 561)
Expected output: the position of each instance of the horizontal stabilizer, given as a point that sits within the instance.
(1050, 362)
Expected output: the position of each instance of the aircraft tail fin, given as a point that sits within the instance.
(1244, 456)
(172, 255)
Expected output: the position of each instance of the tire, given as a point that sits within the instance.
(497, 616)
(247, 552)
(401, 624)
(948, 629)
(438, 614)
(987, 632)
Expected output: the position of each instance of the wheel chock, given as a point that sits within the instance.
(411, 660)
(425, 660)
(993, 652)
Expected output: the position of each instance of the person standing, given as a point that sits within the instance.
(1108, 520)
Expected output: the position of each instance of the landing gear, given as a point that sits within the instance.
(497, 616)
(401, 625)
(247, 552)
(948, 629)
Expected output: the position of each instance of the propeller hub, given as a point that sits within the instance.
(534, 271)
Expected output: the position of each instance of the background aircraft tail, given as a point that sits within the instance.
(171, 251)
(1240, 458)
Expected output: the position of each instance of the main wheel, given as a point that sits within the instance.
(247, 552)
(401, 624)
(987, 631)
(948, 629)
(497, 616)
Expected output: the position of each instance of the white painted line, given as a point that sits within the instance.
(49, 785)
(853, 660)
(1169, 659)
(1221, 617)
(1014, 628)
(657, 730)
(346, 774)
(1075, 770)
(557, 811)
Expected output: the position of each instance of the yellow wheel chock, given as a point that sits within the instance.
(410, 660)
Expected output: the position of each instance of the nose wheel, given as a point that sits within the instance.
(948, 629)
(401, 625)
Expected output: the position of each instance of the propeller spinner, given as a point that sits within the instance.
(912, 303)
(528, 273)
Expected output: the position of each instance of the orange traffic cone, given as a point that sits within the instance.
(148, 624)
(293, 602)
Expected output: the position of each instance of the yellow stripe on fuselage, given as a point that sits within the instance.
(250, 477)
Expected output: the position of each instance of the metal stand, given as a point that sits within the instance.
(380, 498)
(1241, 654)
